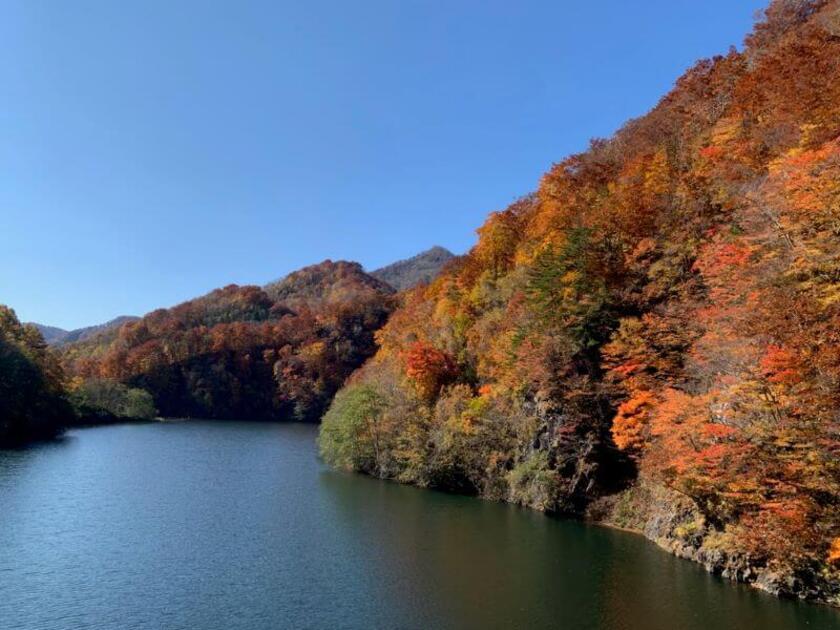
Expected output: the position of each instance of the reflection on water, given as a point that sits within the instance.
(237, 525)
(460, 562)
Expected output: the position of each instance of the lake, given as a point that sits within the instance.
(235, 525)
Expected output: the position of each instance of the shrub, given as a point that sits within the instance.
(351, 432)
(102, 399)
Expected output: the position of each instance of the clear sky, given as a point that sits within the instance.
(153, 150)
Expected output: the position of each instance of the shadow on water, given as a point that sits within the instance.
(15, 458)
(59, 440)
(455, 561)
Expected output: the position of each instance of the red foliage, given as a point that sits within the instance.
(429, 368)
(277, 351)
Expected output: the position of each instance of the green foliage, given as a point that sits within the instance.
(533, 483)
(566, 294)
(350, 432)
(32, 403)
(99, 399)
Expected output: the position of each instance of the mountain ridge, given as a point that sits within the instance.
(420, 268)
(54, 335)
(405, 274)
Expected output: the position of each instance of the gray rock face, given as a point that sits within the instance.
(673, 522)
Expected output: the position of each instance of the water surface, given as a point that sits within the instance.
(238, 526)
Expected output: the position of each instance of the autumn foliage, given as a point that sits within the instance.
(279, 351)
(661, 315)
(631, 424)
(428, 367)
(32, 401)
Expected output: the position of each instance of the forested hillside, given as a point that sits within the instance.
(652, 338)
(83, 334)
(277, 352)
(32, 403)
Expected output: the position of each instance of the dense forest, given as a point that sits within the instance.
(652, 338)
(32, 401)
(246, 352)
(37, 399)
(273, 352)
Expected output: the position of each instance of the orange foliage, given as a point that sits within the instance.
(274, 352)
(779, 365)
(834, 551)
(684, 274)
(428, 367)
(630, 424)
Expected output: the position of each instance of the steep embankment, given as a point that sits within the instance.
(652, 339)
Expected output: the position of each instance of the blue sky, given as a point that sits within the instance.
(152, 151)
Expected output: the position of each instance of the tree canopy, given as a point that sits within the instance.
(661, 315)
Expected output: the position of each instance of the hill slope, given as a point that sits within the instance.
(56, 336)
(247, 352)
(422, 268)
(327, 283)
(83, 334)
(51, 334)
(652, 339)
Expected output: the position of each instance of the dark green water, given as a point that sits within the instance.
(237, 525)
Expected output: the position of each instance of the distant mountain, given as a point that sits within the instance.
(83, 334)
(55, 336)
(325, 283)
(423, 267)
(309, 285)
(51, 334)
